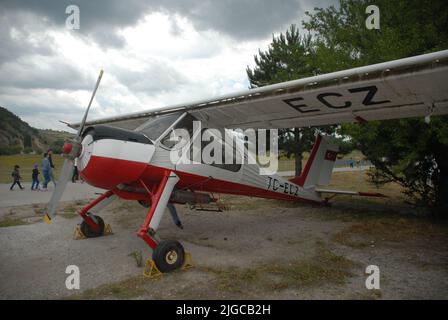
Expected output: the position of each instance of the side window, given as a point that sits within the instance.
(156, 126)
(186, 123)
(234, 167)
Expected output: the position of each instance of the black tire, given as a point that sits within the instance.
(88, 232)
(169, 255)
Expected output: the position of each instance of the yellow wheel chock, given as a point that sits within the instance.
(107, 230)
(78, 235)
(151, 271)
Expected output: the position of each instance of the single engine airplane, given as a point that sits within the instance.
(128, 155)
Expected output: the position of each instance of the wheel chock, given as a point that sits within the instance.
(151, 271)
(107, 230)
(77, 234)
(188, 263)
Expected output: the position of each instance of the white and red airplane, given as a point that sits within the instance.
(129, 156)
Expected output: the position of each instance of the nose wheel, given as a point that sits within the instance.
(169, 255)
(89, 232)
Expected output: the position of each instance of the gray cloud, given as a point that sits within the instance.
(157, 78)
(44, 73)
(15, 31)
(240, 19)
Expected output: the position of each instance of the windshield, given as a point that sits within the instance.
(154, 128)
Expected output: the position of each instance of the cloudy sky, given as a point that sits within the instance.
(153, 52)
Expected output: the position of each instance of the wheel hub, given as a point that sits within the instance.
(171, 257)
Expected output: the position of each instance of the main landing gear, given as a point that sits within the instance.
(168, 255)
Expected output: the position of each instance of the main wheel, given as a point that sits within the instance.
(169, 255)
(88, 232)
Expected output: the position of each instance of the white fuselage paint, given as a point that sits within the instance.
(114, 149)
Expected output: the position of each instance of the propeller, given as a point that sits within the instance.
(72, 149)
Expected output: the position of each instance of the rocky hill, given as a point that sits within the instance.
(17, 136)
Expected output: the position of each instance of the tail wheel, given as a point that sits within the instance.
(89, 232)
(169, 255)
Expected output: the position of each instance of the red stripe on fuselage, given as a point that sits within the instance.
(107, 173)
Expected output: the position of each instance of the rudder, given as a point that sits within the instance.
(320, 164)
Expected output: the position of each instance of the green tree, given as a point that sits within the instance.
(57, 145)
(409, 152)
(27, 140)
(290, 56)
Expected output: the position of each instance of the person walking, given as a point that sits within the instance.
(35, 177)
(46, 171)
(16, 177)
(50, 159)
(75, 174)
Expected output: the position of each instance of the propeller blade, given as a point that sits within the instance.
(81, 126)
(67, 168)
(64, 177)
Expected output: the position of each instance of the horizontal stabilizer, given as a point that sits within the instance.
(352, 193)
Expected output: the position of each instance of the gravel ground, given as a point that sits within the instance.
(266, 249)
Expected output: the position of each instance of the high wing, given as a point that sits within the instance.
(409, 87)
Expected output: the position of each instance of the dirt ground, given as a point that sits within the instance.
(259, 249)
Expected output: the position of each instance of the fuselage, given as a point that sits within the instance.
(112, 158)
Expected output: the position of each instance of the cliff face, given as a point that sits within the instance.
(17, 136)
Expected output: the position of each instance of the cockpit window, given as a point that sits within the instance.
(185, 123)
(154, 128)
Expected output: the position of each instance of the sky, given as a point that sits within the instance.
(154, 53)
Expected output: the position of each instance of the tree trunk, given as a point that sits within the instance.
(441, 196)
(298, 163)
(297, 151)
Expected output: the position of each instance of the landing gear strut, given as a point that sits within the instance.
(168, 255)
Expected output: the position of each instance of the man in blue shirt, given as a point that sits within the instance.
(46, 168)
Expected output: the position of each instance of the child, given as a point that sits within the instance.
(35, 177)
(16, 177)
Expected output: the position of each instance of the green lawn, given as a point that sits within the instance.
(26, 162)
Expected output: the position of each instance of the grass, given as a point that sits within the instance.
(8, 222)
(374, 230)
(138, 257)
(26, 163)
(126, 289)
(69, 215)
(324, 267)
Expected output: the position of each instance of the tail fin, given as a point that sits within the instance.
(320, 164)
